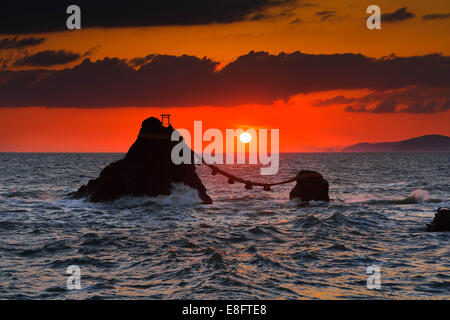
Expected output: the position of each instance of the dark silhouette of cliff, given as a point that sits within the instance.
(146, 170)
(310, 186)
(428, 143)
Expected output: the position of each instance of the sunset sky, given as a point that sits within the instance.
(308, 68)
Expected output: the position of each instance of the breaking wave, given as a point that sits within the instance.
(181, 196)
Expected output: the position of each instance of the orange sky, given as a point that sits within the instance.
(115, 129)
(300, 123)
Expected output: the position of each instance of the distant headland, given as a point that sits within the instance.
(427, 143)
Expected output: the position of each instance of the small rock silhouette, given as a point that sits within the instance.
(441, 221)
(310, 186)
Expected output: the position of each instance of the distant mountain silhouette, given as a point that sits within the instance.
(428, 143)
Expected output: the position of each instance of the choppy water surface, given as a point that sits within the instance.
(248, 244)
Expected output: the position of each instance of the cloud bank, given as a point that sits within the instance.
(398, 15)
(48, 15)
(48, 58)
(254, 78)
(436, 16)
(14, 43)
(415, 99)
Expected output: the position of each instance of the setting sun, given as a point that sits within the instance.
(245, 137)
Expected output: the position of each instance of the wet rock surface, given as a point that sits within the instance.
(310, 186)
(441, 221)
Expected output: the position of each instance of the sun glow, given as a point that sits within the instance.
(245, 137)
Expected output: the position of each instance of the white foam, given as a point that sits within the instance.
(182, 195)
(419, 195)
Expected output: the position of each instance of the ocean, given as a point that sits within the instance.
(249, 244)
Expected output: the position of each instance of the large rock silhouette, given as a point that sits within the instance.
(441, 221)
(146, 170)
(310, 186)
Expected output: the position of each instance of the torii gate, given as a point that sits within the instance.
(165, 116)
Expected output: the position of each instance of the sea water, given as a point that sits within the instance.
(249, 244)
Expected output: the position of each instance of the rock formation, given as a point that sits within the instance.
(146, 170)
(310, 186)
(441, 221)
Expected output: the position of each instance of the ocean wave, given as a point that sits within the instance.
(248, 244)
(337, 218)
(181, 196)
(307, 221)
(416, 197)
(8, 225)
(419, 195)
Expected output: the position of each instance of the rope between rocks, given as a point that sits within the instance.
(232, 178)
(248, 183)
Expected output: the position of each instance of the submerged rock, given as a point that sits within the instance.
(310, 186)
(146, 170)
(441, 221)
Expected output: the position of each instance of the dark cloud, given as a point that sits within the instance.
(386, 106)
(435, 16)
(48, 15)
(390, 106)
(420, 107)
(416, 99)
(330, 15)
(282, 10)
(396, 16)
(296, 21)
(445, 106)
(16, 43)
(333, 101)
(307, 5)
(254, 78)
(137, 62)
(271, 15)
(48, 58)
(326, 15)
(353, 109)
